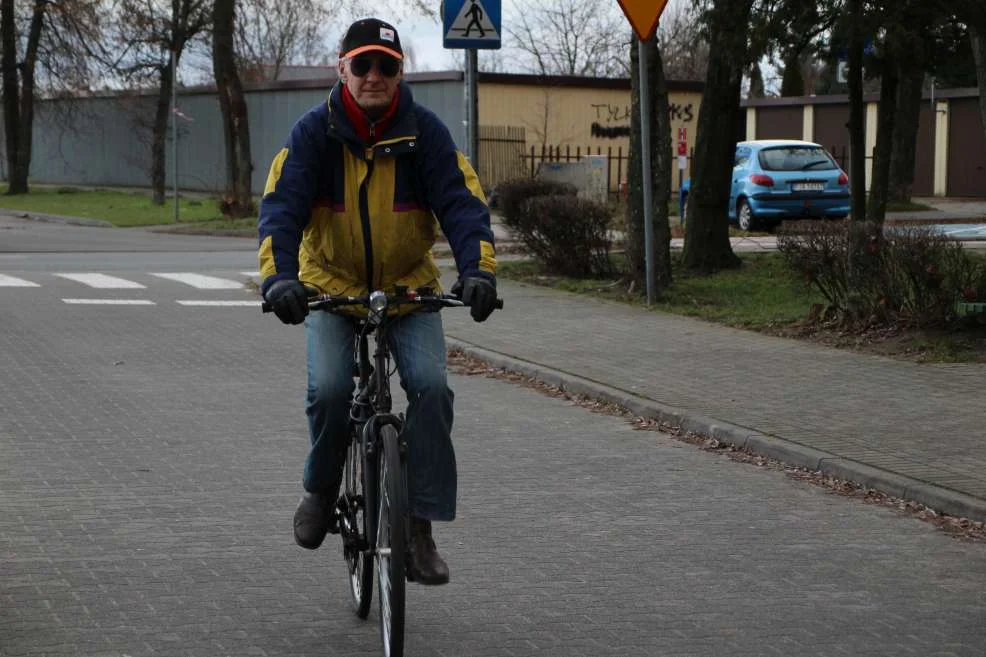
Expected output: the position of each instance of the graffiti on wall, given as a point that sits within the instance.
(607, 114)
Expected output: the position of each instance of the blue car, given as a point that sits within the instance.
(777, 179)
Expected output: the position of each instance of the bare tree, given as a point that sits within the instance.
(569, 37)
(56, 36)
(151, 37)
(707, 246)
(857, 110)
(270, 34)
(18, 90)
(973, 13)
(232, 103)
(682, 44)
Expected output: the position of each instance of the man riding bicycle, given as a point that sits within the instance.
(350, 205)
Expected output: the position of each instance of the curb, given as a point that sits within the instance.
(55, 218)
(942, 499)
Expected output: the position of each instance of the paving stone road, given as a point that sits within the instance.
(150, 462)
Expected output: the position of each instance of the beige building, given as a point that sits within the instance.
(530, 118)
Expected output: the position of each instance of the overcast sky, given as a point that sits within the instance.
(426, 36)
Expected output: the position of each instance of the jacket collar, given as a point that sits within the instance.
(404, 126)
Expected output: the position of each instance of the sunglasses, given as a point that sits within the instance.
(360, 66)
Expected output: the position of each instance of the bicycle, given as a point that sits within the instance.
(372, 506)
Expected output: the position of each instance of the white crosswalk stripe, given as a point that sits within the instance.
(207, 302)
(110, 302)
(102, 281)
(13, 281)
(202, 282)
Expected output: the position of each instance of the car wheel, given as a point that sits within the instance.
(744, 215)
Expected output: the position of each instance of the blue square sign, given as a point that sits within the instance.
(471, 23)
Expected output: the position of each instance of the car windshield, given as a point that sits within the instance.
(795, 158)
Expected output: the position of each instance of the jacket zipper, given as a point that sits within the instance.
(364, 212)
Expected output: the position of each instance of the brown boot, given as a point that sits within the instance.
(426, 566)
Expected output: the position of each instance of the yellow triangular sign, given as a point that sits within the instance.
(643, 15)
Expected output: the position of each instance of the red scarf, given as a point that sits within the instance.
(361, 123)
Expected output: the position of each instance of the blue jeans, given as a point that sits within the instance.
(417, 343)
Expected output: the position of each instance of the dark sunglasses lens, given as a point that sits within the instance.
(389, 67)
(360, 66)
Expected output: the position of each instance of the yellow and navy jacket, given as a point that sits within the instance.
(346, 217)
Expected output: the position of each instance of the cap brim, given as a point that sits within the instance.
(358, 51)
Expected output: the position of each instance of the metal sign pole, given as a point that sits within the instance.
(647, 178)
(472, 111)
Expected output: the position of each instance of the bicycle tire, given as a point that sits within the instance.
(359, 493)
(391, 543)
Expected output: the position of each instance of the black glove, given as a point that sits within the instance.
(289, 301)
(479, 294)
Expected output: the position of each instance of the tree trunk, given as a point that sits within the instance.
(707, 246)
(978, 35)
(11, 90)
(793, 82)
(232, 104)
(22, 161)
(159, 136)
(857, 112)
(661, 164)
(876, 208)
(757, 89)
(904, 155)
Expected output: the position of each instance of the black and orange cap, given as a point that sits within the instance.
(371, 34)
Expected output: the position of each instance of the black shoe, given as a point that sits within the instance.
(425, 565)
(315, 516)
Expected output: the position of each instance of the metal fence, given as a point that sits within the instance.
(616, 161)
(501, 149)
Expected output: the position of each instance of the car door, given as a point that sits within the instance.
(740, 165)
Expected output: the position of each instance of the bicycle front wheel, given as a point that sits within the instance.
(391, 543)
(356, 530)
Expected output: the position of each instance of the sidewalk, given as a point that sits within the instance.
(912, 431)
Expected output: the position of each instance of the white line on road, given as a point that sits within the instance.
(102, 281)
(110, 302)
(13, 281)
(198, 302)
(203, 282)
(251, 274)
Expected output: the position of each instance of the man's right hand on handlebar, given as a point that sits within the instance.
(289, 301)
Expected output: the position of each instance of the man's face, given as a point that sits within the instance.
(372, 79)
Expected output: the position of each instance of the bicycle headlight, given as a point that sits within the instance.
(378, 302)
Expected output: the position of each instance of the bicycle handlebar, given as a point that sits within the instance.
(328, 302)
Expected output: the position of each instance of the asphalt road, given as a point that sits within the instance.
(150, 461)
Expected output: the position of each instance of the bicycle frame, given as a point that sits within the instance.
(377, 448)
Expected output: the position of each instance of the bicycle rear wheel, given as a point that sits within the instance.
(355, 528)
(391, 543)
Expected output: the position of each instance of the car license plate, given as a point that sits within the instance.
(808, 186)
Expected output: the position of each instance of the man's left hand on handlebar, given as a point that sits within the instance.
(479, 294)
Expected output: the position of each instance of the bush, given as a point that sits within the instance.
(510, 194)
(567, 235)
(870, 276)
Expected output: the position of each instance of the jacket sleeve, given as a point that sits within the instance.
(455, 196)
(286, 207)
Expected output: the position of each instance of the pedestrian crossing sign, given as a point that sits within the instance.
(471, 23)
